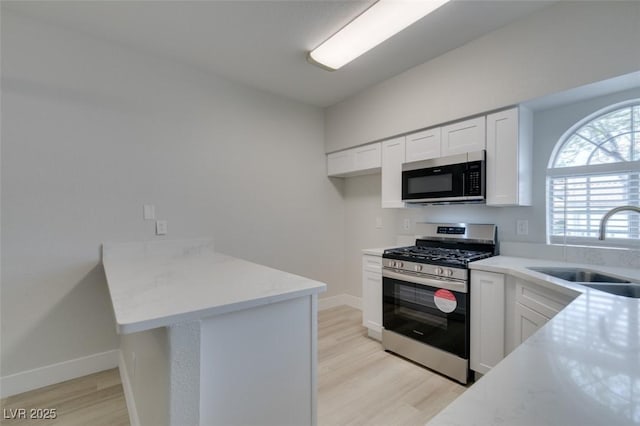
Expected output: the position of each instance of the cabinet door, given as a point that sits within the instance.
(393, 154)
(502, 158)
(465, 136)
(355, 161)
(368, 157)
(540, 299)
(528, 322)
(340, 163)
(423, 145)
(372, 300)
(487, 320)
(509, 158)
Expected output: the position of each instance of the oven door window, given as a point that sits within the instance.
(421, 313)
(435, 182)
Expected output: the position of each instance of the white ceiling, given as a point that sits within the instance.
(264, 43)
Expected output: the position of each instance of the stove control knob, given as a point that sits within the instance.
(399, 265)
(448, 272)
(418, 268)
(392, 263)
(439, 271)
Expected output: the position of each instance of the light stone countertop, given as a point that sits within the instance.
(581, 368)
(380, 251)
(161, 283)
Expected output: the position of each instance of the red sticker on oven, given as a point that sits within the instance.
(445, 300)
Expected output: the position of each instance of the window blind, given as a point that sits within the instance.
(577, 203)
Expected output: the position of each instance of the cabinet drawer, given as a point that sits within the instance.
(544, 301)
(372, 263)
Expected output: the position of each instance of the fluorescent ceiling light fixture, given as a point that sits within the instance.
(382, 20)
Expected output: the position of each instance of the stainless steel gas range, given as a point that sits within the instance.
(425, 304)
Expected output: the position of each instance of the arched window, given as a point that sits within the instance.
(595, 166)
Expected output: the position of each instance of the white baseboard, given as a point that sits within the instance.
(339, 300)
(56, 373)
(128, 391)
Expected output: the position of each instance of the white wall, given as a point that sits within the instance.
(563, 46)
(362, 200)
(92, 131)
(362, 209)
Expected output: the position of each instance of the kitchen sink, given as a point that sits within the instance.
(627, 290)
(579, 275)
(593, 279)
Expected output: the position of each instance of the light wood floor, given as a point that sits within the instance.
(97, 399)
(358, 384)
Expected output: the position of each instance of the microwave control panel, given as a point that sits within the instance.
(475, 178)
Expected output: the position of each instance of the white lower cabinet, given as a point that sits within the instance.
(527, 322)
(506, 311)
(487, 320)
(534, 306)
(372, 295)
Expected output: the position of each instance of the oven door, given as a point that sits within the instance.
(431, 315)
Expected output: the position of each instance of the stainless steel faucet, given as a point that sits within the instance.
(605, 218)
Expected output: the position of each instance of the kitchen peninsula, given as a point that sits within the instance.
(210, 338)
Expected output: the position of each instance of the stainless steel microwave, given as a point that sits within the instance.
(453, 179)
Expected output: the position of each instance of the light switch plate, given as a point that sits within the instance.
(378, 222)
(161, 227)
(406, 225)
(149, 212)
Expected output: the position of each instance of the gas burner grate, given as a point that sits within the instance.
(438, 255)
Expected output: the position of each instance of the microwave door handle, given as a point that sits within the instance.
(464, 183)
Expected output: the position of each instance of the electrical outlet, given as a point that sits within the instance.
(149, 212)
(522, 227)
(161, 227)
(378, 222)
(406, 225)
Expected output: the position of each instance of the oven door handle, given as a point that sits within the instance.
(416, 279)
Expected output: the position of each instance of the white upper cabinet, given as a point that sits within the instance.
(368, 157)
(505, 135)
(393, 155)
(339, 163)
(355, 161)
(464, 136)
(423, 145)
(509, 137)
